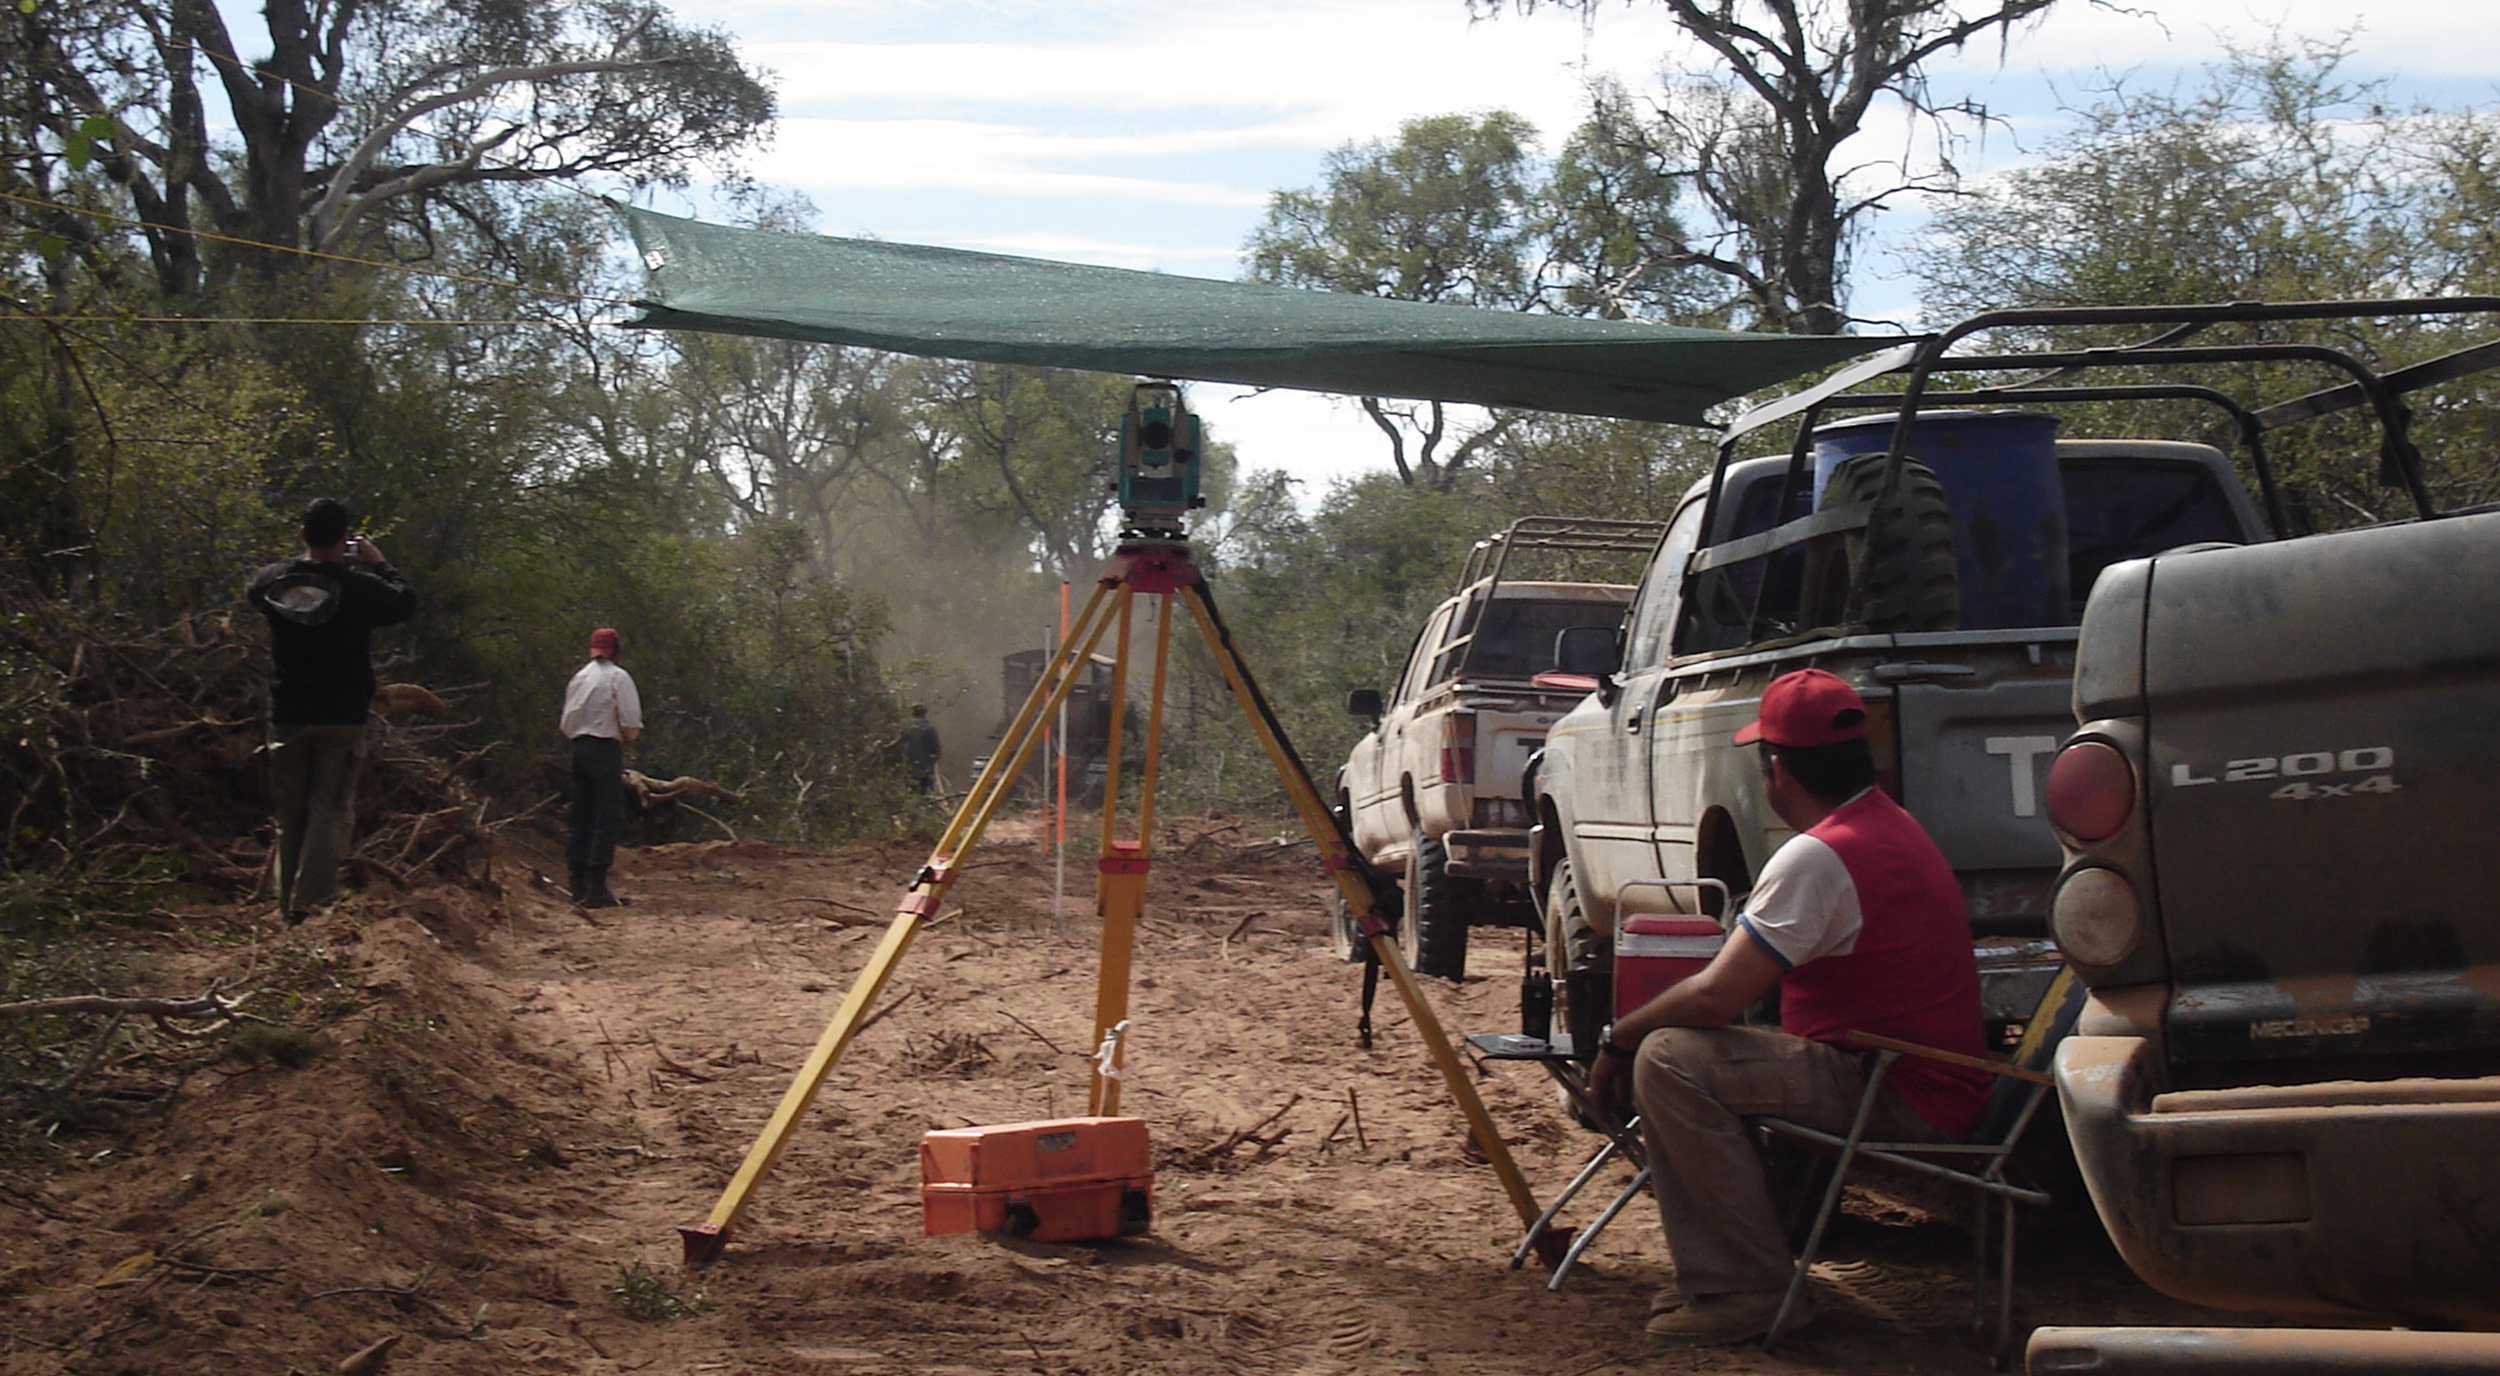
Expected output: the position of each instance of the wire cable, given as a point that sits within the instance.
(466, 278)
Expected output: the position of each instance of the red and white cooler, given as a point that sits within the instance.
(1657, 951)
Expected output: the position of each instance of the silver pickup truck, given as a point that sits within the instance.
(1641, 781)
(1931, 536)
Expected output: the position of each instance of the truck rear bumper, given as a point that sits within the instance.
(2337, 1200)
(1488, 853)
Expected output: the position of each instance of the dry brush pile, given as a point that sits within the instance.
(132, 782)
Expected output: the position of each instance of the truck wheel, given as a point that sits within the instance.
(1583, 982)
(1433, 934)
(1910, 579)
(1344, 938)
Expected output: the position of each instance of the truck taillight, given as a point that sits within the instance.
(2091, 791)
(1458, 748)
(2095, 917)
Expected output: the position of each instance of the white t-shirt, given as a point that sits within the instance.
(1805, 906)
(601, 701)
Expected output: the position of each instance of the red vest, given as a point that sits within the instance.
(1911, 975)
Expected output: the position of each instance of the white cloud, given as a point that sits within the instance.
(1315, 438)
(996, 160)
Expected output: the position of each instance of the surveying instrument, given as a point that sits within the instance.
(1159, 466)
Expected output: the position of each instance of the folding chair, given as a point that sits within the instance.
(1623, 1140)
(1651, 952)
(1979, 1163)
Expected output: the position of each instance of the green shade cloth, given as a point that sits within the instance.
(948, 303)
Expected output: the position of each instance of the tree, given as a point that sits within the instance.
(2275, 177)
(1461, 210)
(366, 121)
(1443, 214)
(1763, 157)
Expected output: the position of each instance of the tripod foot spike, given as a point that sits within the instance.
(704, 1242)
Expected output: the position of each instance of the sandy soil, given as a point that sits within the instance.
(522, 1100)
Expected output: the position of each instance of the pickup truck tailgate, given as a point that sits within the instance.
(2324, 724)
(1974, 761)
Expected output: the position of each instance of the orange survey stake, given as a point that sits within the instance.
(1061, 1180)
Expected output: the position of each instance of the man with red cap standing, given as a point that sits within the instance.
(1859, 922)
(602, 715)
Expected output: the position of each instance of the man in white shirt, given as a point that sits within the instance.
(602, 715)
(1859, 920)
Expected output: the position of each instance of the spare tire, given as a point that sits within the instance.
(1432, 934)
(1906, 548)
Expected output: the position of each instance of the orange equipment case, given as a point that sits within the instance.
(1064, 1180)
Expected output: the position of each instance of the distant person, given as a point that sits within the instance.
(1859, 921)
(920, 750)
(322, 608)
(602, 715)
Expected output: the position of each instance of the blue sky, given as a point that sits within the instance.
(1150, 135)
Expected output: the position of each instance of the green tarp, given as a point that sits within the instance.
(986, 307)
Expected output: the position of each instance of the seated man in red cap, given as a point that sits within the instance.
(1860, 923)
(602, 715)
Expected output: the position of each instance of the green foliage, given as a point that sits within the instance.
(1442, 214)
(291, 1048)
(647, 1297)
(1462, 209)
(2273, 178)
(1752, 143)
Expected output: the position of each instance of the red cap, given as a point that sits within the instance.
(1808, 707)
(603, 642)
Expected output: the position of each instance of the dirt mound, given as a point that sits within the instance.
(518, 1101)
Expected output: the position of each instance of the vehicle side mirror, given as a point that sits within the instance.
(1364, 703)
(1588, 650)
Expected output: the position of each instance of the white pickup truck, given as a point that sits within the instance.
(1432, 790)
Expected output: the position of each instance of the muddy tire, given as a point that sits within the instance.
(1911, 584)
(1432, 934)
(1344, 938)
(1583, 998)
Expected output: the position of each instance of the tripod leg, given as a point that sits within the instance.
(1120, 882)
(705, 1241)
(1343, 868)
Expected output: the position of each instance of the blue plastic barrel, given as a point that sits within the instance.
(1999, 471)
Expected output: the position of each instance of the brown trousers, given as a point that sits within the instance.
(1694, 1087)
(312, 789)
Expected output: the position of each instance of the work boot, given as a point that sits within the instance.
(580, 889)
(1718, 1320)
(599, 895)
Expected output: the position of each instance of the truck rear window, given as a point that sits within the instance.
(1515, 639)
(2124, 509)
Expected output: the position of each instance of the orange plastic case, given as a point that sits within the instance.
(1064, 1180)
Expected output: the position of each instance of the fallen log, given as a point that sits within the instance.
(408, 697)
(647, 788)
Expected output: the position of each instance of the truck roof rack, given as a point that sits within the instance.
(1587, 534)
(2048, 376)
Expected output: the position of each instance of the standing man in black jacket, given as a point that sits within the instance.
(322, 608)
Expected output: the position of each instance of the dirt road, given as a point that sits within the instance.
(520, 1101)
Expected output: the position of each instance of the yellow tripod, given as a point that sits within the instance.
(1162, 568)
